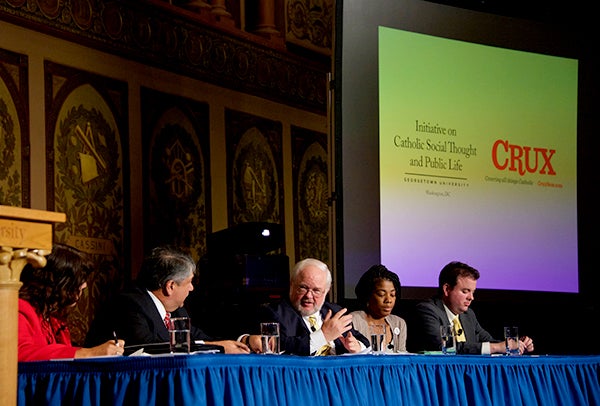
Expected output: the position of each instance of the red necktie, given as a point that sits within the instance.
(168, 320)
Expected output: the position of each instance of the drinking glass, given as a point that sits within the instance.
(377, 333)
(269, 337)
(179, 335)
(511, 338)
(448, 336)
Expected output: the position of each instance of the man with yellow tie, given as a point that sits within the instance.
(456, 289)
(308, 324)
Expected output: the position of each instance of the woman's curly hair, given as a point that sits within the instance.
(51, 290)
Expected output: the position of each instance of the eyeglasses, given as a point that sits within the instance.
(303, 290)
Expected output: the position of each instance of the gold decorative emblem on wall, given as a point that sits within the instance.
(309, 23)
(87, 175)
(14, 130)
(311, 194)
(254, 168)
(177, 183)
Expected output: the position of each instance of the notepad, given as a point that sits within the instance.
(163, 348)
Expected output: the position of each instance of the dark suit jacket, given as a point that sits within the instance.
(293, 332)
(430, 315)
(135, 318)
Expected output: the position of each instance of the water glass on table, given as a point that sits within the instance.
(511, 339)
(377, 334)
(269, 338)
(448, 335)
(179, 335)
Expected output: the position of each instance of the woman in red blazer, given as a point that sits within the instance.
(45, 298)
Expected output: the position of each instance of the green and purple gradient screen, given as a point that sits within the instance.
(478, 162)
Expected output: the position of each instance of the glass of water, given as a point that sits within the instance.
(269, 338)
(179, 335)
(448, 336)
(377, 333)
(511, 338)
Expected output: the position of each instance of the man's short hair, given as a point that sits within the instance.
(450, 273)
(165, 264)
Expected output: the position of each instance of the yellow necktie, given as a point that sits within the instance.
(324, 350)
(460, 333)
(313, 323)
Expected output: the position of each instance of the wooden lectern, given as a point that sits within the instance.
(25, 237)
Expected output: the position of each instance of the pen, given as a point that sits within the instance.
(115, 336)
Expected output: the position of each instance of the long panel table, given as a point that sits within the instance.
(222, 379)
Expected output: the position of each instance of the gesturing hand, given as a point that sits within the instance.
(336, 325)
(351, 343)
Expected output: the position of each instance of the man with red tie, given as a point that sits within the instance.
(139, 315)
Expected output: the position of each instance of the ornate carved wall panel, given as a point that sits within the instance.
(14, 130)
(87, 176)
(176, 171)
(254, 168)
(309, 24)
(311, 194)
(155, 33)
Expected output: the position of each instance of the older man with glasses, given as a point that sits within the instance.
(308, 324)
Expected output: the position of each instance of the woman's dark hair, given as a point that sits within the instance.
(366, 284)
(51, 290)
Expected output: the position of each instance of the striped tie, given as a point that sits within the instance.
(458, 330)
(324, 350)
(168, 320)
(313, 323)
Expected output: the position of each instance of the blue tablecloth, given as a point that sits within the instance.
(221, 379)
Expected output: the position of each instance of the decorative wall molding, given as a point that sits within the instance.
(311, 193)
(176, 165)
(255, 168)
(158, 34)
(87, 173)
(309, 24)
(14, 130)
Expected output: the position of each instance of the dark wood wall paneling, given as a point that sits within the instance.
(190, 43)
